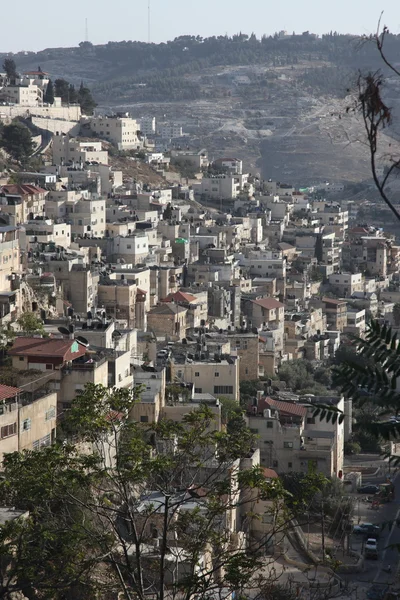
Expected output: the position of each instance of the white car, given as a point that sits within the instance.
(371, 548)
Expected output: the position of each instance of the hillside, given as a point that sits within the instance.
(275, 102)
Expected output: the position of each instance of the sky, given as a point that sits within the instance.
(48, 23)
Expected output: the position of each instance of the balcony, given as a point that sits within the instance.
(83, 365)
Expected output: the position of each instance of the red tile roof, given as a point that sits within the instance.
(22, 189)
(180, 297)
(270, 473)
(333, 301)
(296, 410)
(359, 230)
(268, 303)
(46, 347)
(8, 392)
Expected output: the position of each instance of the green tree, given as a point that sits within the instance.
(61, 89)
(10, 69)
(116, 520)
(6, 338)
(85, 100)
(72, 94)
(167, 214)
(229, 409)
(352, 447)
(30, 323)
(49, 94)
(16, 140)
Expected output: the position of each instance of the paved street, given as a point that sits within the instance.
(374, 571)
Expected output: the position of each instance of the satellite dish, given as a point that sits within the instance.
(82, 340)
(63, 330)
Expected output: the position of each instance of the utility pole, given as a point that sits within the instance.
(163, 549)
(149, 21)
(323, 530)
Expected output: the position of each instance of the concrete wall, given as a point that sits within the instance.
(57, 125)
(38, 423)
(69, 113)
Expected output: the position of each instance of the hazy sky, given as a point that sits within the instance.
(48, 23)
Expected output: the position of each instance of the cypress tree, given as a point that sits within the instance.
(49, 95)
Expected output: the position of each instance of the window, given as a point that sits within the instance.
(216, 374)
(288, 444)
(310, 420)
(129, 246)
(144, 419)
(255, 431)
(270, 424)
(198, 390)
(275, 463)
(21, 358)
(8, 430)
(26, 425)
(50, 413)
(237, 343)
(49, 367)
(223, 389)
(42, 442)
(290, 465)
(197, 374)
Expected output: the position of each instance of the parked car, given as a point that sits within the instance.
(371, 548)
(368, 489)
(367, 529)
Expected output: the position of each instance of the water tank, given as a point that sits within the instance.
(267, 413)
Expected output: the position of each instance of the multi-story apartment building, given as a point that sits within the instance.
(87, 218)
(46, 232)
(27, 419)
(24, 202)
(290, 439)
(67, 150)
(121, 130)
(264, 312)
(118, 298)
(345, 284)
(147, 125)
(169, 130)
(246, 346)
(219, 378)
(336, 313)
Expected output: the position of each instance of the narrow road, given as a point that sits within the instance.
(375, 570)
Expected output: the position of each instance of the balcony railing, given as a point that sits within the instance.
(83, 366)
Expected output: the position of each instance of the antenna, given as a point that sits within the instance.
(86, 30)
(148, 20)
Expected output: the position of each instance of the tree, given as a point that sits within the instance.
(6, 337)
(16, 140)
(49, 95)
(85, 100)
(30, 323)
(10, 69)
(149, 510)
(61, 88)
(371, 373)
(396, 314)
(72, 94)
(167, 214)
